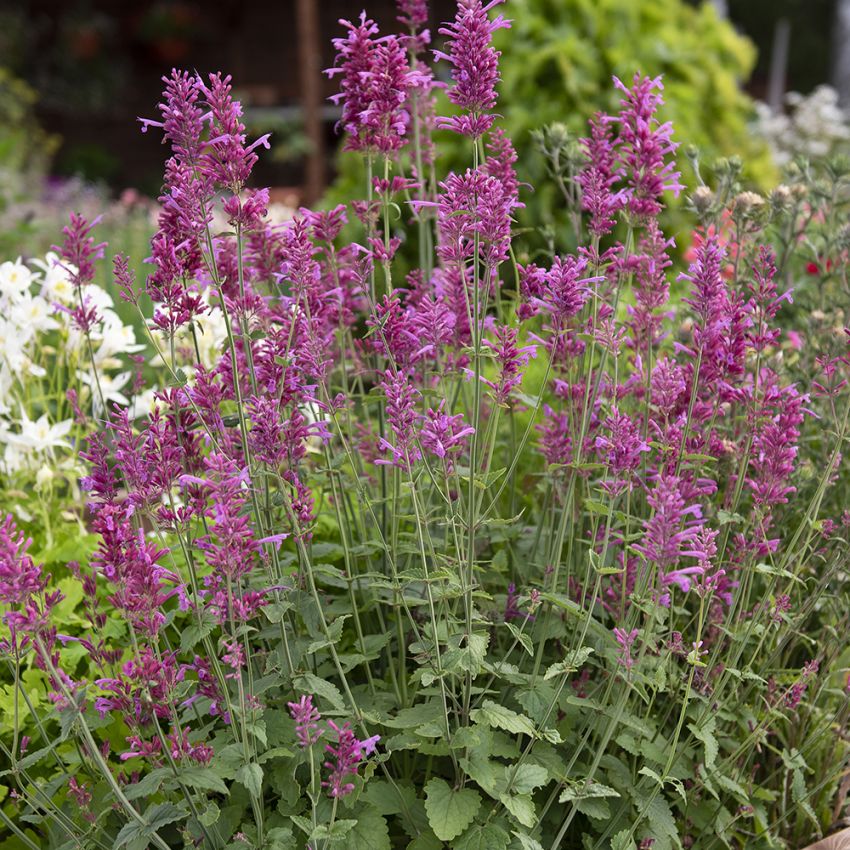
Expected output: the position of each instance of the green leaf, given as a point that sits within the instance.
(210, 815)
(193, 633)
(204, 778)
(370, 832)
(279, 838)
(591, 790)
(332, 834)
(499, 717)
(521, 807)
(705, 734)
(483, 837)
(623, 841)
(425, 841)
(155, 817)
(527, 778)
(311, 684)
(449, 811)
(251, 776)
(522, 637)
(573, 661)
(332, 637)
(528, 843)
(594, 807)
(148, 784)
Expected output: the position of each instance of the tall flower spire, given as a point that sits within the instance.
(376, 82)
(476, 66)
(646, 147)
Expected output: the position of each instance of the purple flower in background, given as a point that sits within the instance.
(226, 160)
(651, 287)
(564, 289)
(354, 60)
(795, 693)
(443, 435)
(346, 757)
(182, 117)
(374, 89)
(473, 203)
(598, 177)
(306, 717)
(412, 13)
(401, 417)
(512, 609)
(79, 250)
(500, 164)
(646, 147)
(385, 120)
(667, 386)
(511, 360)
(620, 447)
(625, 640)
(765, 300)
(476, 66)
(774, 451)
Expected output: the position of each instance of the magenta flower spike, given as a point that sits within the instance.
(646, 147)
(475, 66)
(306, 717)
(346, 755)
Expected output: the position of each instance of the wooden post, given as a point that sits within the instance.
(778, 65)
(841, 52)
(309, 62)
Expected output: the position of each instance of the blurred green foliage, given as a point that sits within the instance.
(25, 153)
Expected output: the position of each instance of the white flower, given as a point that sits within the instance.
(44, 476)
(39, 436)
(115, 338)
(106, 386)
(15, 279)
(13, 346)
(143, 404)
(33, 314)
(56, 284)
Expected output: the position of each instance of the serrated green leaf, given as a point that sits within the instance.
(573, 661)
(591, 790)
(623, 841)
(251, 776)
(500, 717)
(483, 837)
(527, 842)
(527, 778)
(521, 807)
(311, 684)
(370, 832)
(523, 639)
(705, 734)
(449, 811)
(594, 807)
(204, 778)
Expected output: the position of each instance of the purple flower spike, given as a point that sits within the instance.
(476, 66)
(306, 717)
(625, 640)
(443, 435)
(401, 417)
(376, 82)
(646, 147)
(345, 758)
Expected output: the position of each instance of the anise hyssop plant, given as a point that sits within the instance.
(447, 545)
